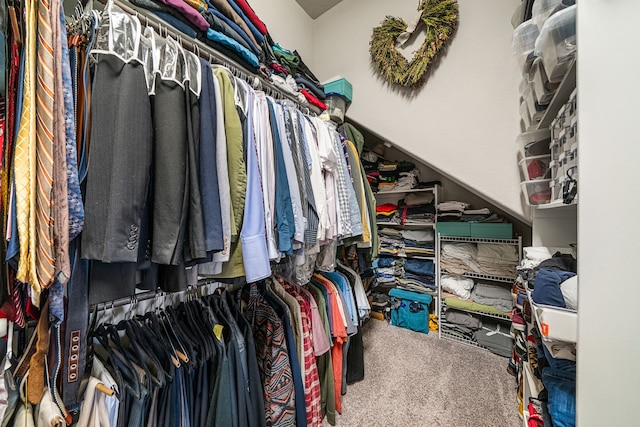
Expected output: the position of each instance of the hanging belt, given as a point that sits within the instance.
(75, 332)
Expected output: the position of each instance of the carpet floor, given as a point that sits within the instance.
(412, 379)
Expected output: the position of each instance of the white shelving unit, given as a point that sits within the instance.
(394, 196)
(501, 280)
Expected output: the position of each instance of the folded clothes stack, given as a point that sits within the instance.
(497, 259)
(485, 258)
(419, 243)
(391, 242)
(494, 295)
(451, 210)
(387, 214)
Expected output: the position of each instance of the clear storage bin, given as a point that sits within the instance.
(556, 44)
(537, 192)
(536, 111)
(524, 40)
(535, 143)
(336, 106)
(536, 167)
(524, 115)
(543, 9)
(543, 89)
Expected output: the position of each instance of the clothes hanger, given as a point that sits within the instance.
(496, 331)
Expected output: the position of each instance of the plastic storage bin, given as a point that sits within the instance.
(537, 192)
(556, 44)
(536, 167)
(542, 87)
(556, 323)
(411, 310)
(524, 115)
(534, 143)
(336, 106)
(543, 9)
(523, 43)
(341, 86)
(536, 111)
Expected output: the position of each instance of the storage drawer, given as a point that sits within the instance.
(462, 229)
(555, 323)
(495, 231)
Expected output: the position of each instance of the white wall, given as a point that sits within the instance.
(608, 232)
(288, 24)
(464, 121)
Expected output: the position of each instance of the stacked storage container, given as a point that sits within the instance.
(544, 47)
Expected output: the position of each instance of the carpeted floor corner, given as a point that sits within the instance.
(412, 379)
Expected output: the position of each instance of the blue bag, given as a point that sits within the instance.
(411, 310)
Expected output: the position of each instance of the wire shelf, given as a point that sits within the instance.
(479, 313)
(483, 276)
(444, 334)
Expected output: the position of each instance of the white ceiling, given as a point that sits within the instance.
(315, 8)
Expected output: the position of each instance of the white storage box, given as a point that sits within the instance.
(524, 40)
(556, 44)
(555, 323)
(536, 167)
(536, 192)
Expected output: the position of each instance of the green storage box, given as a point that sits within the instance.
(341, 86)
(501, 230)
(461, 229)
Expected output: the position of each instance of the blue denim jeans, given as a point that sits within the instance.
(561, 386)
(559, 378)
(425, 268)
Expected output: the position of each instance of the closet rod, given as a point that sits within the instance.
(147, 295)
(207, 52)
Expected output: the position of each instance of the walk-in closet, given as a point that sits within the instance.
(318, 213)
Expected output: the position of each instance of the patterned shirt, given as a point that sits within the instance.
(311, 377)
(273, 360)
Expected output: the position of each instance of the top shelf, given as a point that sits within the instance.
(413, 190)
(560, 98)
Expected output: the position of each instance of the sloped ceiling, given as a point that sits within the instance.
(315, 8)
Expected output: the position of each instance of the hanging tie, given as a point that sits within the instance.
(24, 158)
(44, 250)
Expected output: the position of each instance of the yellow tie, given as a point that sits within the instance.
(24, 157)
(44, 250)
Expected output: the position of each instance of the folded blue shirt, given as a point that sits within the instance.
(547, 287)
(228, 42)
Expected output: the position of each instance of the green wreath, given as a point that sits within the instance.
(439, 16)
